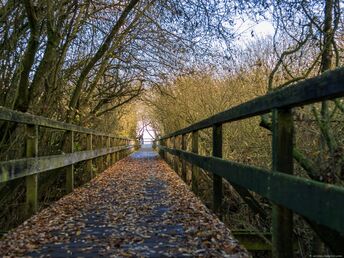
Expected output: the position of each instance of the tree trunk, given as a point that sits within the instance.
(22, 100)
(98, 55)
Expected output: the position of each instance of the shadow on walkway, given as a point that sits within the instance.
(138, 207)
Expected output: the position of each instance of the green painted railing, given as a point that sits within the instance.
(322, 205)
(113, 148)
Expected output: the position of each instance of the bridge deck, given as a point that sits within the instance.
(138, 207)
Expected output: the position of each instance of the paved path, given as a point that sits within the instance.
(137, 208)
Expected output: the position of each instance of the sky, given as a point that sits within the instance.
(264, 28)
(245, 29)
(148, 133)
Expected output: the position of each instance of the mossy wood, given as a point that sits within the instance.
(183, 161)
(70, 168)
(217, 180)
(282, 161)
(89, 163)
(24, 167)
(32, 165)
(255, 241)
(32, 180)
(316, 201)
(194, 169)
(25, 118)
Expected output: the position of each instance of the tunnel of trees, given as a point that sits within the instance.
(118, 66)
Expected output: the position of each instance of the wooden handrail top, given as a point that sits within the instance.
(9, 115)
(329, 85)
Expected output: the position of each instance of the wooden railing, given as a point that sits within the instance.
(322, 205)
(113, 149)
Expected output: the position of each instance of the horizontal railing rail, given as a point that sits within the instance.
(326, 86)
(29, 119)
(283, 189)
(319, 203)
(113, 148)
(14, 169)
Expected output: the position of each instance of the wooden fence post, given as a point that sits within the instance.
(117, 152)
(175, 158)
(120, 152)
(32, 180)
(113, 154)
(124, 152)
(164, 153)
(282, 148)
(161, 152)
(108, 156)
(183, 160)
(167, 141)
(194, 169)
(103, 158)
(98, 159)
(166, 144)
(217, 180)
(89, 165)
(70, 169)
(170, 145)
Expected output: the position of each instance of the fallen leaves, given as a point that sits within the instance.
(138, 207)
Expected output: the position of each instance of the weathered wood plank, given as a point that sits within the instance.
(175, 159)
(254, 241)
(102, 162)
(183, 161)
(314, 200)
(282, 149)
(194, 169)
(13, 169)
(89, 163)
(113, 156)
(108, 157)
(329, 85)
(217, 180)
(32, 180)
(29, 119)
(70, 168)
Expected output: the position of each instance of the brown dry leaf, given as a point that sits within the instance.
(138, 207)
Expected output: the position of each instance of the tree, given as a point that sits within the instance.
(310, 29)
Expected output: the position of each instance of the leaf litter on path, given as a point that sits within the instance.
(138, 207)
